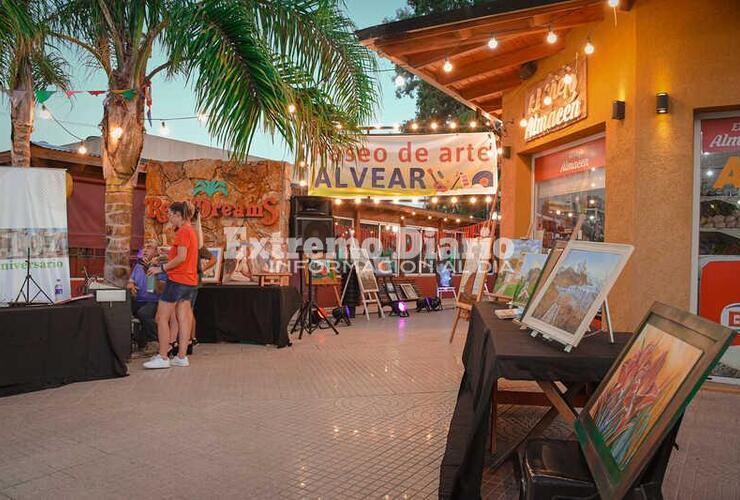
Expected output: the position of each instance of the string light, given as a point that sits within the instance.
(445, 219)
(589, 47)
(523, 123)
(414, 200)
(413, 213)
(202, 117)
(435, 200)
(433, 125)
(400, 81)
(338, 201)
(473, 200)
(452, 125)
(473, 124)
(291, 108)
(453, 199)
(489, 199)
(414, 126)
(376, 200)
(470, 216)
(447, 66)
(45, 113)
(568, 79)
(552, 37)
(547, 100)
(358, 201)
(82, 149)
(303, 183)
(613, 3)
(457, 220)
(163, 129)
(301, 163)
(492, 42)
(116, 132)
(429, 217)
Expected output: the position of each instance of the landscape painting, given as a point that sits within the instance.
(642, 386)
(532, 265)
(511, 255)
(565, 304)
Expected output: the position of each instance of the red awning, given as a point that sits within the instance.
(86, 215)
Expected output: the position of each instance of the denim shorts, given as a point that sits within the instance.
(176, 292)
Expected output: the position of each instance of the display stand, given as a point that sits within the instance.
(25, 290)
(311, 316)
(363, 269)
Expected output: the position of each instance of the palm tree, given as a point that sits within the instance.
(293, 67)
(27, 63)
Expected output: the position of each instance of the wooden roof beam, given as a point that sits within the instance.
(501, 61)
(489, 87)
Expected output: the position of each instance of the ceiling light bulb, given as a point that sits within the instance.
(302, 183)
(568, 79)
(453, 199)
(473, 124)
(523, 123)
(434, 125)
(447, 66)
(613, 3)
(492, 42)
(453, 125)
(414, 126)
(489, 199)
(45, 113)
(338, 201)
(400, 81)
(588, 48)
(82, 149)
(291, 108)
(413, 213)
(163, 129)
(457, 220)
(435, 200)
(116, 132)
(470, 216)
(301, 163)
(445, 219)
(429, 217)
(473, 200)
(552, 37)
(376, 201)
(547, 100)
(358, 201)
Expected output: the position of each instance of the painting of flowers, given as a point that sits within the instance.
(637, 394)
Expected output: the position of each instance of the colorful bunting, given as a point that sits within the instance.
(96, 92)
(43, 95)
(70, 93)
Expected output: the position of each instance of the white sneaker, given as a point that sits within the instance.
(157, 361)
(178, 361)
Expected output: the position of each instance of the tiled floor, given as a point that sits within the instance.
(359, 415)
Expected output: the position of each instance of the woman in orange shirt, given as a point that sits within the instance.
(180, 290)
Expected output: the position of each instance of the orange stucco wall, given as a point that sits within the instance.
(686, 48)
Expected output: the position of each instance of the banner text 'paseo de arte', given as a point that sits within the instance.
(411, 165)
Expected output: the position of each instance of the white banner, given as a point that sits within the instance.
(411, 165)
(33, 217)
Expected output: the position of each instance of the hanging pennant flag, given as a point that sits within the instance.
(96, 92)
(70, 93)
(43, 95)
(129, 94)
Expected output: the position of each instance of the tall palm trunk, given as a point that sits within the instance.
(120, 159)
(21, 117)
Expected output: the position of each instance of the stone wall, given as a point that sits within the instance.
(253, 195)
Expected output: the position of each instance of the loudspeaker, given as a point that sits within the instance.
(311, 217)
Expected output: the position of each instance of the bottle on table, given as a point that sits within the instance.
(58, 291)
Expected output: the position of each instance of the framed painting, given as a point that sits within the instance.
(569, 298)
(322, 271)
(213, 275)
(552, 258)
(511, 257)
(645, 392)
(532, 266)
(408, 291)
(475, 271)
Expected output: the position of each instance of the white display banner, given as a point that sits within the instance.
(33, 217)
(411, 165)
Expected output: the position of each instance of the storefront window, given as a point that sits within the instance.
(568, 184)
(453, 250)
(419, 246)
(384, 246)
(718, 174)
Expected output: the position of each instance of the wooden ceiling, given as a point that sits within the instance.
(479, 74)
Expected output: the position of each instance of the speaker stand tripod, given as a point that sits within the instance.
(25, 290)
(309, 310)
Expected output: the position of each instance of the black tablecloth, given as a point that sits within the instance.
(499, 349)
(245, 313)
(48, 346)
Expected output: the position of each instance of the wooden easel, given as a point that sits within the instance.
(368, 296)
(464, 308)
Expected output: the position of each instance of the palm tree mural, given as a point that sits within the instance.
(27, 63)
(291, 67)
(209, 188)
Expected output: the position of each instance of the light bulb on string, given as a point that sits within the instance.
(447, 67)
(400, 81)
(492, 42)
(523, 123)
(435, 200)
(303, 183)
(291, 108)
(414, 126)
(45, 113)
(301, 163)
(547, 100)
(473, 200)
(473, 124)
(202, 117)
(452, 125)
(433, 125)
(164, 129)
(376, 201)
(453, 200)
(358, 201)
(338, 201)
(588, 49)
(552, 37)
(489, 199)
(82, 149)
(457, 220)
